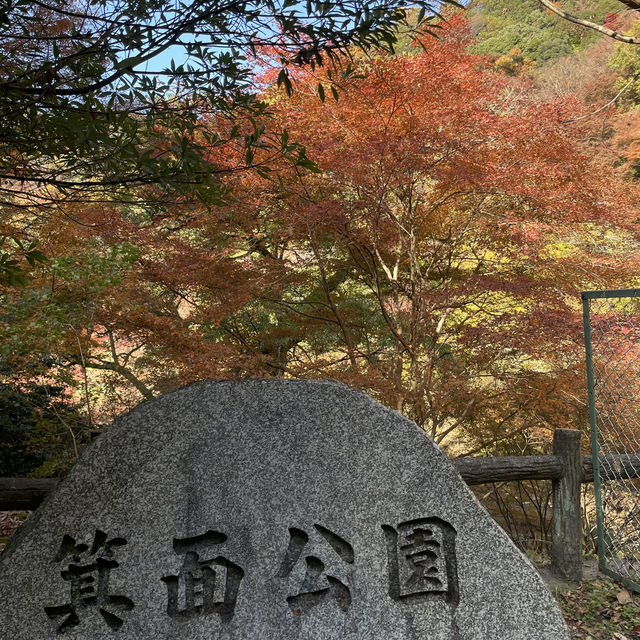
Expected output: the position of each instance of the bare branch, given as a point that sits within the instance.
(610, 33)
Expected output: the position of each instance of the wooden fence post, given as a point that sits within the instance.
(566, 522)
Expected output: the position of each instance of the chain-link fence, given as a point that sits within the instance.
(612, 340)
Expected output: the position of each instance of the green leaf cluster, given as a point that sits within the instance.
(36, 423)
(626, 61)
(89, 104)
(36, 317)
(13, 254)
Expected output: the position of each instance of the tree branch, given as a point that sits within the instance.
(590, 25)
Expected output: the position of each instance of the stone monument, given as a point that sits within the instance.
(267, 510)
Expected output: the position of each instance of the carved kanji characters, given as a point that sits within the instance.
(422, 559)
(88, 572)
(318, 585)
(203, 586)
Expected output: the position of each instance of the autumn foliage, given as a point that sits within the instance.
(434, 259)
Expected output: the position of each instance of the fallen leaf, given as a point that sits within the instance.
(624, 597)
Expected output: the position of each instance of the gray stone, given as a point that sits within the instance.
(267, 510)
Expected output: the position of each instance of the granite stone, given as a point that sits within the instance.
(267, 510)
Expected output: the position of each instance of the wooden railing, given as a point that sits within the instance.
(24, 494)
(567, 468)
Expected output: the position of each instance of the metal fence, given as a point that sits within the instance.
(612, 342)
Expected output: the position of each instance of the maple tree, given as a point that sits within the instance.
(105, 100)
(438, 232)
(434, 261)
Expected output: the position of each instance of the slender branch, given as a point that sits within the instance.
(603, 107)
(620, 37)
(125, 373)
(83, 366)
(336, 312)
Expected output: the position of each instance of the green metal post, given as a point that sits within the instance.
(594, 431)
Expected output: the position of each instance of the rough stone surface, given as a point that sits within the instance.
(267, 510)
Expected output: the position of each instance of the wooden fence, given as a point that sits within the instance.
(567, 468)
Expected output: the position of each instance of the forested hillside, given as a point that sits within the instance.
(500, 26)
(418, 225)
